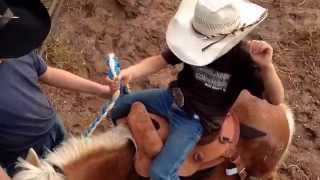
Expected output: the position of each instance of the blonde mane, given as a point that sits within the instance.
(72, 150)
(291, 123)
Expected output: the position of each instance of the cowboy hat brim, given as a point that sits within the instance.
(188, 45)
(26, 33)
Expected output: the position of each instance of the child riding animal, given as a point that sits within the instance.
(206, 37)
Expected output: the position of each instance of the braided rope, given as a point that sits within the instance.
(102, 114)
(114, 66)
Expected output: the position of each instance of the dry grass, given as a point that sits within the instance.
(61, 55)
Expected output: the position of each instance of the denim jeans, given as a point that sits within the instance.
(185, 130)
(42, 144)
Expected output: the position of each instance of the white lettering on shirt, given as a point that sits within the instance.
(211, 78)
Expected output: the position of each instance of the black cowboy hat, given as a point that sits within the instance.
(24, 25)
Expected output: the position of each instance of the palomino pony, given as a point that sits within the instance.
(110, 156)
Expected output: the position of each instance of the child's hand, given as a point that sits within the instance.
(124, 77)
(111, 87)
(261, 52)
(106, 91)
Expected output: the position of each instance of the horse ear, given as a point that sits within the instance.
(33, 158)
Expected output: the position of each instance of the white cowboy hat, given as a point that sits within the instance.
(204, 30)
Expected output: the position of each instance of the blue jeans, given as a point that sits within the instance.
(42, 144)
(185, 130)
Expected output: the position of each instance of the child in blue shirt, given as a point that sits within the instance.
(27, 119)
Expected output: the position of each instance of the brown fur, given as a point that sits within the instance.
(261, 155)
(102, 164)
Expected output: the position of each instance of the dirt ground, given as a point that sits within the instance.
(87, 30)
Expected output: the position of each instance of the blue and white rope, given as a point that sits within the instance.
(114, 71)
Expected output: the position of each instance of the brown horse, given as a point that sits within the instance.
(109, 156)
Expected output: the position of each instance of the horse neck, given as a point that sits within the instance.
(264, 154)
(103, 164)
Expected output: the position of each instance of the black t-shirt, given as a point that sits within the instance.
(210, 91)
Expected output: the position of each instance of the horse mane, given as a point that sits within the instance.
(71, 151)
(291, 122)
(42, 172)
(290, 117)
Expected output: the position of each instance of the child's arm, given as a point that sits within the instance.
(64, 79)
(274, 91)
(3, 175)
(261, 53)
(146, 67)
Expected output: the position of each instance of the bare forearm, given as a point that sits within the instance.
(274, 91)
(146, 67)
(3, 175)
(66, 80)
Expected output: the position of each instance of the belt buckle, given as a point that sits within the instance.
(178, 97)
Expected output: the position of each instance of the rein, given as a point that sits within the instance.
(114, 65)
(102, 115)
(114, 71)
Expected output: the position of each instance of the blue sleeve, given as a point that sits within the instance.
(39, 64)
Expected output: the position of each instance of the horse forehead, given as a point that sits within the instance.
(247, 102)
(255, 111)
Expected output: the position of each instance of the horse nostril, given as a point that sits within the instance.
(156, 124)
(224, 140)
(199, 156)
